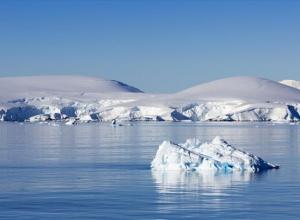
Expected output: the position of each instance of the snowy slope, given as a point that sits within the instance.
(75, 99)
(292, 83)
(241, 88)
(59, 85)
(240, 99)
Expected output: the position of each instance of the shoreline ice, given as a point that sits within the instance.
(87, 99)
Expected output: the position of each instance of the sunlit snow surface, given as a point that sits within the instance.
(217, 155)
(292, 83)
(87, 99)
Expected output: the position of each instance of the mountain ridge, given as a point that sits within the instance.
(77, 99)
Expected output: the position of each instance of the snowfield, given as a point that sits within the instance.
(291, 83)
(217, 156)
(76, 99)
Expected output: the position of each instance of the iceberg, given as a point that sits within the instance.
(217, 156)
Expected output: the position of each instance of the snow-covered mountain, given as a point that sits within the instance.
(291, 83)
(241, 88)
(59, 85)
(74, 99)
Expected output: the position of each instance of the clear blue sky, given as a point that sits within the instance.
(158, 46)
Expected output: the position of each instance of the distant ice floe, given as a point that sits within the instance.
(218, 156)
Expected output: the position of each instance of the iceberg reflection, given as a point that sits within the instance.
(179, 180)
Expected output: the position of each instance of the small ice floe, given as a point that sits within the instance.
(115, 123)
(217, 155)
(39, 118)
(71, 121)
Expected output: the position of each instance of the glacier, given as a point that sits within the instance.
(215, 156)
(81, 99)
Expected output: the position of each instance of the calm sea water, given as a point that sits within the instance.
(95, 171)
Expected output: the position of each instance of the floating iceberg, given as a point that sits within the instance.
(217, 155)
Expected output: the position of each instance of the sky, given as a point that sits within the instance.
(157, 46)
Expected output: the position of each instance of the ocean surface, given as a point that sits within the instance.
(96, 171)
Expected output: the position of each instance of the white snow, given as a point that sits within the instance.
(241, 88)
(217, 155)
(90, 99)
(292, 83)
(64, 86)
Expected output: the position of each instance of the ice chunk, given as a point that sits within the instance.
(217, 155)
(39, 118)
(71, 121)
